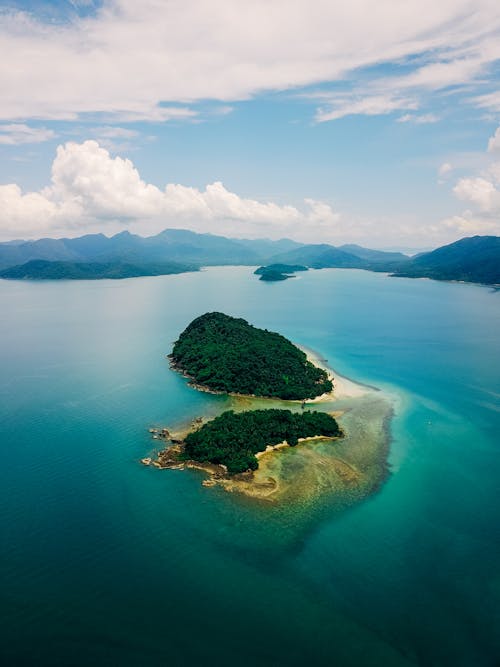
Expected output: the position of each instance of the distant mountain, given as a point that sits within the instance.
(40, 269)
(49, 249)
(475, 259)
(374, 255)
(171, 245)
(320, 256)
(268, 248)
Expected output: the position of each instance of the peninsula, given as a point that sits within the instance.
(225, 354)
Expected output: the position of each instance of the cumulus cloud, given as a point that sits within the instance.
(479, 191)
(482, 191)
(89, 187)
(470, 224)
(494, 142)
(135, 59)
(12, 134)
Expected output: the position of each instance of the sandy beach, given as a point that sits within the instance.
(342, 387)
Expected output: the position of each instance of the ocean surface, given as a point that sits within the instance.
(106, 562)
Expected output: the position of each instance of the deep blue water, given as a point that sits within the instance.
(106, 562)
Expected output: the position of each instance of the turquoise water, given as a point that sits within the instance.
(106, 562)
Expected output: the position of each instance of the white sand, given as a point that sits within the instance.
(342, 386)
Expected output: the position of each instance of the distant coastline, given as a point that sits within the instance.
(473, 259)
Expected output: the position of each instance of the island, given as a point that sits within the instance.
(272, 434)
(276, 272)
(225, 354)
(233, 439)
(274, 276)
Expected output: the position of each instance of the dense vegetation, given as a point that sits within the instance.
(475, 259)
(234, 439)
(39, 269)
(280, 268)
(227, 354)
(275, 272)
(273, 276)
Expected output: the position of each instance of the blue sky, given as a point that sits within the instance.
(312, 120)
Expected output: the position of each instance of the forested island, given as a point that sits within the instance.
(275, 276)
(276, 272)
(233, 439)
(228, 355)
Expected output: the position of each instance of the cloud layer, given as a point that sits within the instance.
(91, 191)
(89, 187)
(13, 134)
(149, 60)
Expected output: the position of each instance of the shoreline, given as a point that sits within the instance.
(343, 386)
(344, 469)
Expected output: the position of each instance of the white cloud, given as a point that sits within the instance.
(470, 224)
(18, 133)
(479, 191)
(130, 57)
(419, 119)
(489, 101)
(444, 169)
(375, 105)
(494, 142)
(483, 192)
(90, 188)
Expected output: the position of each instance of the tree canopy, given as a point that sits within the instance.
(233, 439)
(228, 354)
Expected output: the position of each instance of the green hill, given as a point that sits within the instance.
(227, 354)
(39, 269)
(475, 259)
(321, 256)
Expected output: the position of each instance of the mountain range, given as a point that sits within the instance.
(474, 259)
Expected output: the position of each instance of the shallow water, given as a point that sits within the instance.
(105, 561)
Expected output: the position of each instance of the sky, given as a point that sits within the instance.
(318, 120)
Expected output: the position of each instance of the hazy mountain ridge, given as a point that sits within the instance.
(474, 259)
(170, 245)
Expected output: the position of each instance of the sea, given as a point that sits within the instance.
(104, 561)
